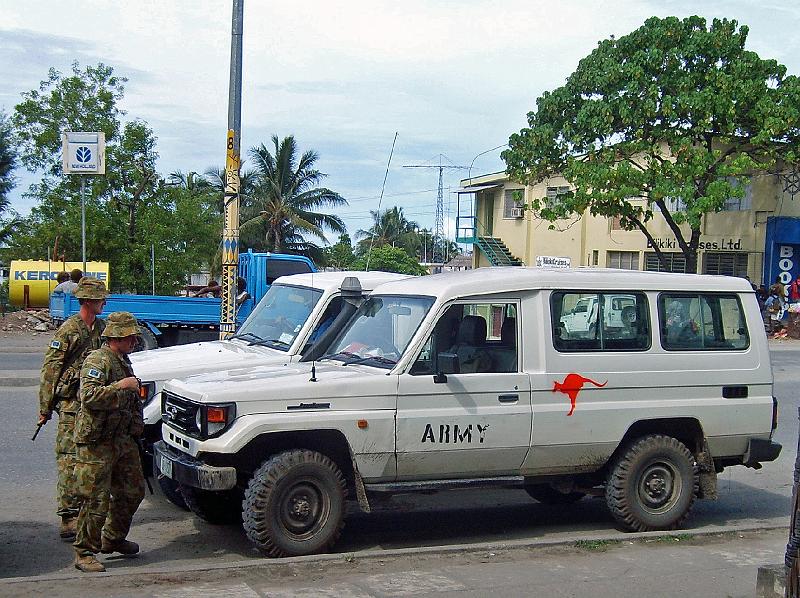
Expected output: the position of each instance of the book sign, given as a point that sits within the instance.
(83, 153)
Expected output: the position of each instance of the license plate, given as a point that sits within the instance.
(165, 466)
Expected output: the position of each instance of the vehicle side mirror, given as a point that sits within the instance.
(447, 364)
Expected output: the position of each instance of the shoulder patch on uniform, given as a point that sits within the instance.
(55, 344)
(93, 373)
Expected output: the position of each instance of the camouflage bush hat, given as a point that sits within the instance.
(91, 288)
(120, 324)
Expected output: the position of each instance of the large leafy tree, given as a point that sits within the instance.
(286, 198)
(8, 161)
(128, 210)
(389, 259)
(391, 227)
(677, 114)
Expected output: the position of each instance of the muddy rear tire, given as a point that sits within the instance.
(652, 484)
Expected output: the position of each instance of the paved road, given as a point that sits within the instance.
(175, 539)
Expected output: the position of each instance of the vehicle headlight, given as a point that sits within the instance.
(213, 419)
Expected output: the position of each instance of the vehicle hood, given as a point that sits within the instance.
(287, 384)
(180, 361)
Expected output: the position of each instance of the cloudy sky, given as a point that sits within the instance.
(451, 78)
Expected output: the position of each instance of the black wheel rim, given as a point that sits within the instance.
(659, 487)
(304, 508)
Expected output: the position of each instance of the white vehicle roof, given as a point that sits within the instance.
(486, 281)
(326, 280)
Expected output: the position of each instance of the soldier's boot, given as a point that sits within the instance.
(68, 528)
(120, 546)
(88, 563)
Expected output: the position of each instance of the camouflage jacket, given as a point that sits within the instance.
(107, 412)
(60, 376)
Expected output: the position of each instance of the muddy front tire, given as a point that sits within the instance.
(171, 491)
(652, 484)
(294, 504)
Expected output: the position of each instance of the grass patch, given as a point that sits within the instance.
(596, 545)
(671, 538)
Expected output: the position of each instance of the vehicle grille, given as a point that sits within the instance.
(180, 413)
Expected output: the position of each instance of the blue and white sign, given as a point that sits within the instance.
(83, 153)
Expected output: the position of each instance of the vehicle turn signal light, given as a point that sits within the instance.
(215, 415)
(362, 424)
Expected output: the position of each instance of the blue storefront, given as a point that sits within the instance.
(782, 250)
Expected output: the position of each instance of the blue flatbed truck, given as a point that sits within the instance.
(168, 321)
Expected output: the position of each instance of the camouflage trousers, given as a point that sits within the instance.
(66, 494)
(111, 487)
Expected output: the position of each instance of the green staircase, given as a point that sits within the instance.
(496, 252)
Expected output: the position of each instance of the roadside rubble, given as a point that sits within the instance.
(31, 321)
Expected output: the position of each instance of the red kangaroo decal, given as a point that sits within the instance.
(572, 385)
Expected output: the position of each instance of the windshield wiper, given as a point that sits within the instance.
(268, 341)
(378, 358)
(245, 336)
(346, 354)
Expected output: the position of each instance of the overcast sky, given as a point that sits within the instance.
(452, 78)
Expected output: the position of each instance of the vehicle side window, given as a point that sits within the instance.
(616, 321)
(702, 322)
(483, 336)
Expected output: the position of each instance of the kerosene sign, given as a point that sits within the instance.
(723, 244)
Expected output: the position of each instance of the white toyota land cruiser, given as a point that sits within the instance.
(299, 314)
(464, 379)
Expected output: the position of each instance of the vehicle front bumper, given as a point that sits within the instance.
(760, 450)
(192, 472)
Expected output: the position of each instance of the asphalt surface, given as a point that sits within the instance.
(175, 541)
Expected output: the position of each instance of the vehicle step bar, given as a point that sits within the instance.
(436, 485)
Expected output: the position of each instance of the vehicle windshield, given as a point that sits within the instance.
(279, 316)
(380, 330)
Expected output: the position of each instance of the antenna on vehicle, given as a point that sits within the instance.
(380, 199)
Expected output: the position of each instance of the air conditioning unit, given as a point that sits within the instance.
(517, 212)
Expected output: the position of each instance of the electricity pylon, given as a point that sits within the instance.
(438, 227)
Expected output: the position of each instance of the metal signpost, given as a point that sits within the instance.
(230, 231)
(83, 153)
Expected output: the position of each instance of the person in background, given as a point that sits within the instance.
(61, 278)
(108, 470)
(241, 291)
(794, 291)
(69, 286)
(58, 390)
(212, 289)
(777, 288)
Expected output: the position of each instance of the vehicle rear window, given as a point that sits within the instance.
(701, 322)
(277, 268)
(591, 321)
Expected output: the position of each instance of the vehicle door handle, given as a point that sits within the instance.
(508, 398)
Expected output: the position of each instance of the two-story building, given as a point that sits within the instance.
(757, 235)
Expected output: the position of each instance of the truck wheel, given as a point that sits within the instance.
(294, 504)
(546, 494)
(146, 341)
(652, 484)
(217, 508)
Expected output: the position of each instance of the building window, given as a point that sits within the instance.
(674, 204)
(624, 260)
(728, 264)
(513, 199)
(738, 204)
(555, 196)
(676, 262)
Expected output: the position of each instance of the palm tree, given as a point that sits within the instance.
(390, 227)
(285, 198)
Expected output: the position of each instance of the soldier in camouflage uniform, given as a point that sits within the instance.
(109, 473)
(74, 340)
